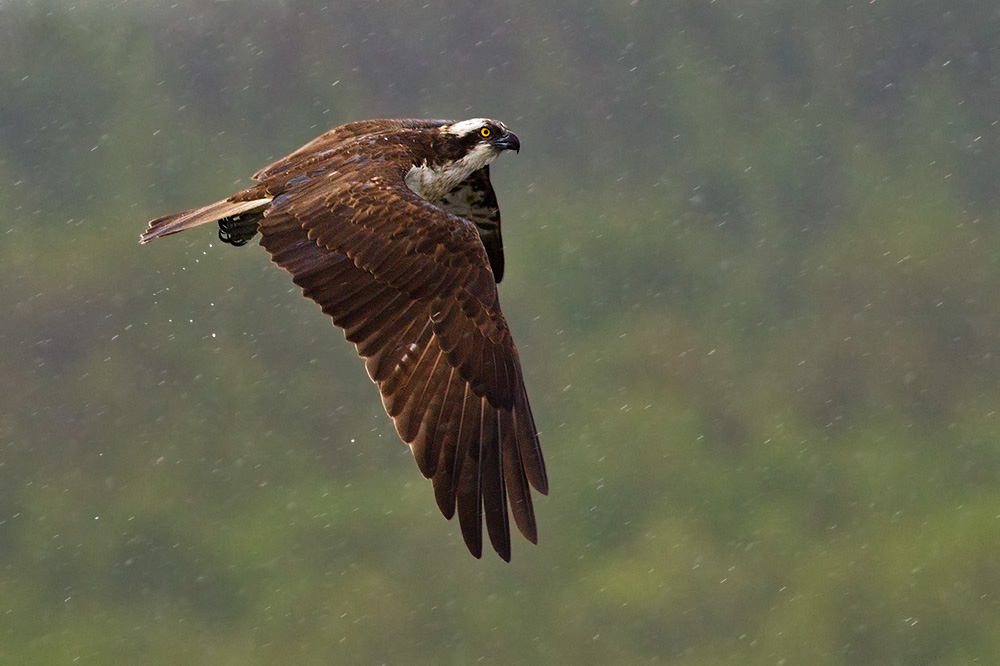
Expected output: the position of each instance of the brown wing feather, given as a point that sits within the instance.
(319, 149)
(412, 288)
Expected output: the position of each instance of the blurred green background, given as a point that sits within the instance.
(752, 272)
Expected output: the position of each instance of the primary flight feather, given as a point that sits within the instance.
(393, 228)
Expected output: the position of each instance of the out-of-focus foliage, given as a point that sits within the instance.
(752, 271)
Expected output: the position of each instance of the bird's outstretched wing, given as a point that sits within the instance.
(411, 285)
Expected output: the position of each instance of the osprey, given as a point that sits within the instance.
(393, 228)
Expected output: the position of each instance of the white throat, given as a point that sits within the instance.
(433, 182)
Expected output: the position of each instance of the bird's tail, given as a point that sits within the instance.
(220, 210)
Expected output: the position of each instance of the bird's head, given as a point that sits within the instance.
(455, 152)
(482, 135)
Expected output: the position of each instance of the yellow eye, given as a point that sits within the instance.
(485, 132)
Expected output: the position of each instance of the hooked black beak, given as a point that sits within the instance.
(508, 141)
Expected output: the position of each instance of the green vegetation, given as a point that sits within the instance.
(752, 271)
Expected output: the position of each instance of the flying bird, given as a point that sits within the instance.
(393, 228)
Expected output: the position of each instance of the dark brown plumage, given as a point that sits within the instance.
(393, 228)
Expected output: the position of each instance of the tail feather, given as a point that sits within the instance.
(171, 224)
